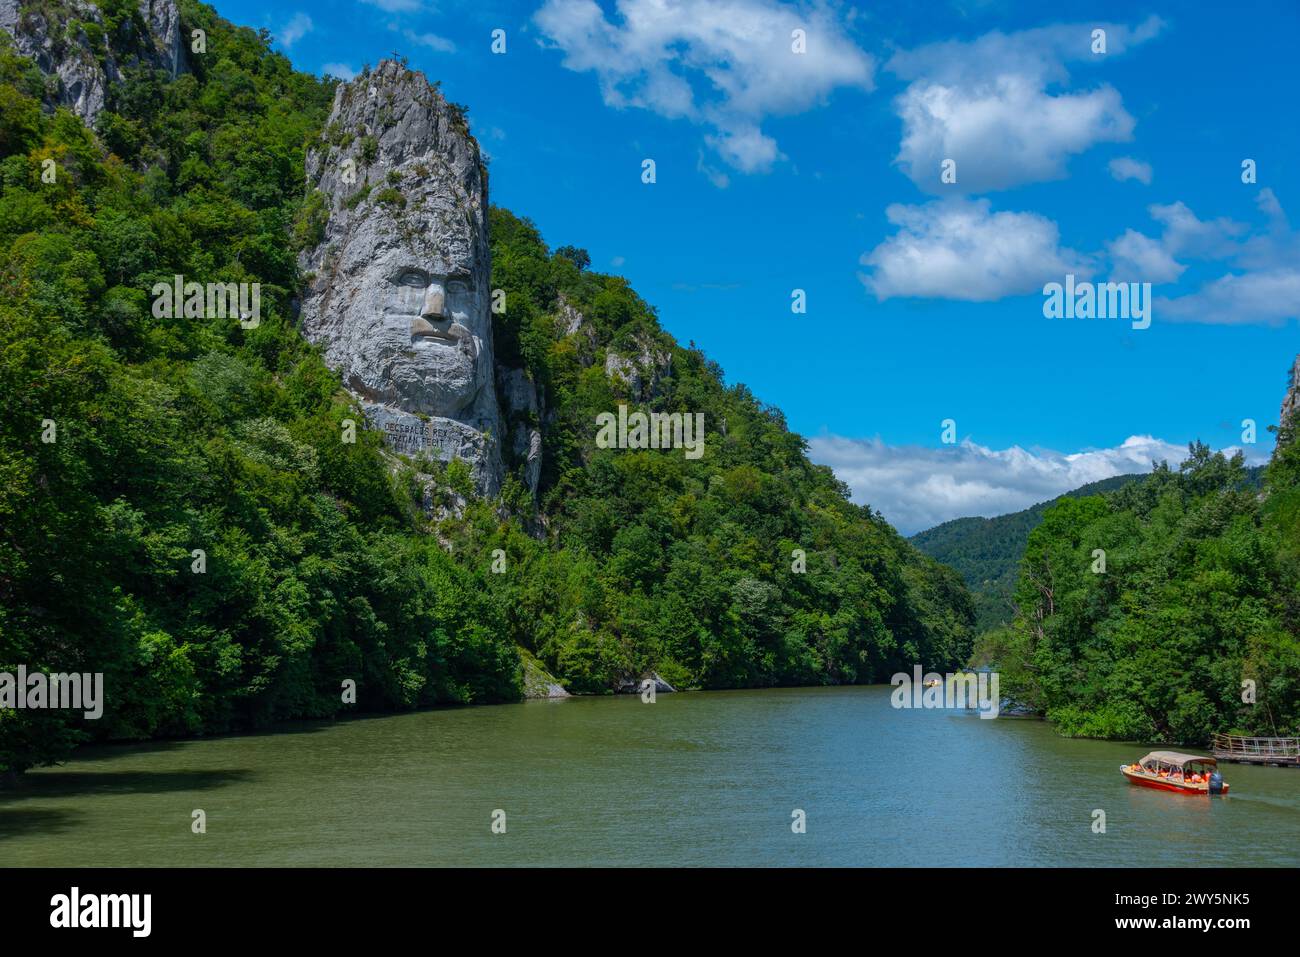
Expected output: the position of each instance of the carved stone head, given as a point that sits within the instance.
(399, 293)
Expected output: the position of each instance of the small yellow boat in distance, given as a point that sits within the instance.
(1175, 771)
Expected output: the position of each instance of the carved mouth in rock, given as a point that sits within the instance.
(422, 328)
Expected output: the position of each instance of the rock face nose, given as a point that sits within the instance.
(398, 296)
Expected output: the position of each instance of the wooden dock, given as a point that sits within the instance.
(1284, 752)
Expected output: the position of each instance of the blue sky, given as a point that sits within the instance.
(820, 171)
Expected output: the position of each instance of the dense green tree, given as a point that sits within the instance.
(1197, 597)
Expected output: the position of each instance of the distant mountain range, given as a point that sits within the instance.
(986, 551)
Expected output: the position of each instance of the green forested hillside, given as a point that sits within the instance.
(987, 551)
(129, 444)
(656, 560)
(1192, 627)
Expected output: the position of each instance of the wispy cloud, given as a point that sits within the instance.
(299, 26)
(1126, 167)
(1269, 296)
(430, 40)
(1262, 281)
(340, 70)
(395, 6)
(714, 175)
(1139, 258)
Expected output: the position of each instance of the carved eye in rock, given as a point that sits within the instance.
(458, 297)
(412, 278)
(410, 287)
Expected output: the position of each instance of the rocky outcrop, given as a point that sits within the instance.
(73, 46)
(571, 320)
(573, 323)
(642, 684)
(398, 293)
(538, 682)
(1289, 418)
(519, 402)
(1291, 401)
(164, 24)
(641, 372)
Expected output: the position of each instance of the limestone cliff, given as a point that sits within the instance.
(397, 291)
(523, 409)
(83, 55)
(1289, 417)
(640, 372)
(1291, 402)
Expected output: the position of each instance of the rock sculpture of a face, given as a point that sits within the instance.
(414, 331)
(399, 290)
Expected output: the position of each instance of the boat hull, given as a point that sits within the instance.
(1164, 784)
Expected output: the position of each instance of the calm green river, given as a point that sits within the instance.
(693, 779)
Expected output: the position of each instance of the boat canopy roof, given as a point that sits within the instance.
(1177, 757)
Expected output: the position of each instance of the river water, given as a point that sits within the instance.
(709, 778)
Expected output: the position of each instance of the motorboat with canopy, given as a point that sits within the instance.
(1175, 771)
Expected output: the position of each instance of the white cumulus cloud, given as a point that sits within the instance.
(961, 249)
(723, 64)
(1184, 233)
(997, 107)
